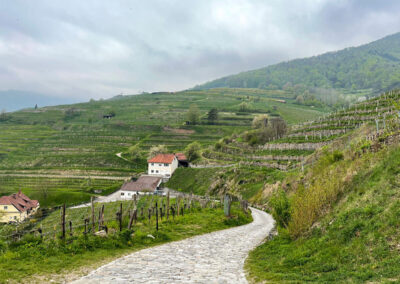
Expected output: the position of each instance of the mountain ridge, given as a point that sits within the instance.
(375, 66)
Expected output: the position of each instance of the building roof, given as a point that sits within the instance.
(20, 201)
(163, 159)
(143, 183)
(181, 156)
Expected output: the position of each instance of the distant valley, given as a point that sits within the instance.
(12, 100)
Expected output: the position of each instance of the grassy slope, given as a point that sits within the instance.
(246, 181)
(357, 241)
(31, 259)
(49, 141)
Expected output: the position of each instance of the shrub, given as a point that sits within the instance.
(337, 156)
(192, 151)
(280, 208)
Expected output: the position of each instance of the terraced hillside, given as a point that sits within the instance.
(338, 219)
(256, 170)
(82, 140)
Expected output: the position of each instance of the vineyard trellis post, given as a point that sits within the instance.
(156, 216)
(92, 208)
(168, 205)
(63, 222)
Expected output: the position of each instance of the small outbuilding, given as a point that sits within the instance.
(145, 185)
(182, 160)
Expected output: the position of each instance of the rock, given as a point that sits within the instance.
(150, 236)
(101, 233)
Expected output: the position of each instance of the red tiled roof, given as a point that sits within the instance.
(163, 159)
(143, 183)
(181, 156)
(19, 201)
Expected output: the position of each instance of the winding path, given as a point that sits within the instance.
(216, 257)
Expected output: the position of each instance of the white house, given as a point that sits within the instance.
(163, 165)
(145, 185)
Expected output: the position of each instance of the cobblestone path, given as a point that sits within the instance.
(216, 257)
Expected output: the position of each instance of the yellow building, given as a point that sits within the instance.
(16, 207)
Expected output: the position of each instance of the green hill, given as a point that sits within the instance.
(77, 140)
(338, 220)
(372, 67)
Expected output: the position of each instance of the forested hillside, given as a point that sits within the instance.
(374, 67)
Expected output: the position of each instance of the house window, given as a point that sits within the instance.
(129, 194)
(5, 207)
(122, 193)
(152, 171)
(157, 171)
(160, 165)
(152, 164)
(15, 217)
(166, 165)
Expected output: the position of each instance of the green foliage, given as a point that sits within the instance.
(280, 208)
(243, 107)
(193, 114)
(159, 149)
(192, 180)
(260, 121)
(212, 116)
(375, 66)
(355, 242)
(71, 113)
(32, 257)
(4, 116)
(192, 151)
(135, 152)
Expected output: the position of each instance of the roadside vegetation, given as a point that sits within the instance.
(33, 259)
(337, 220)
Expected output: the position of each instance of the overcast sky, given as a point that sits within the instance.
(97, 49)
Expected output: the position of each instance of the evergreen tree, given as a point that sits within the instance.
(212, 116)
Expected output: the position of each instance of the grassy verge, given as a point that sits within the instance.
(355, 240)
(38, 261)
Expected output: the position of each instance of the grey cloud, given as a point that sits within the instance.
(98, 49)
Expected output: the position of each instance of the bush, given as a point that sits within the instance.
(337, 156)
(280, 208)
(192, 151)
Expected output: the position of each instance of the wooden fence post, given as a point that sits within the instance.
(135, 215)
(131, 220)
(156, 216)
(149, 215)
(227, 205)
(86, 225)
(120, 217)
(92, 207)
(173, 212)
(178, 201)
(70, 228)
(63, 222)
(168, 205)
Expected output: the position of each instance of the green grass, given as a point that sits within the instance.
(36, 260)
(51, 191)
(356, 241)
(193, 180)
(246, 181)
